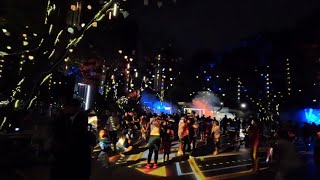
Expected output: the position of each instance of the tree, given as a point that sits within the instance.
(48, 50)
(56, 42)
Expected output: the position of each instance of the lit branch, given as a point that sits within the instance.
(2, 54)
(46, 78)
(57, 39)
(103, 10)
(20, 82)
(31, 102)
(17, 89)
(50, 28)
(51, 9)
(47, 15)
(72, 42)
(3, 122)
(52, 53)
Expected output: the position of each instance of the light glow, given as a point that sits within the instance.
(243, 105)
(115, 8)
(88, 98)
(312, 115)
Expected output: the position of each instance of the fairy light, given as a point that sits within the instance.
(239, 90)
(30, 57)
(72, 42)
(288, 77)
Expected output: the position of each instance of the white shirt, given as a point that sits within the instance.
(216, 132)
(180, 128)
(155, 131)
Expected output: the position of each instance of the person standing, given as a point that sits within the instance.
(166, 141)
(216, 136)
(286, 158)
(154, 142)
(254, 137)
(76, 144)
(180, 133)
(144, 127)
(186, 137)
(112, 126)
(105, 146)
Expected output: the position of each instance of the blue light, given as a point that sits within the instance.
(312, 115)
(151, 101)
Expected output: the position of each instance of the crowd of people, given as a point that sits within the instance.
(119, 133)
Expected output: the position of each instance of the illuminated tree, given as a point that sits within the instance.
(49, 49)
(38, 62)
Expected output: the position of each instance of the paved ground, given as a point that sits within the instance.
(180, 167)
(227, 165)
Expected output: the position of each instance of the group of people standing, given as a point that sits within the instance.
(158, 132)
(73, 142)
(188, 130)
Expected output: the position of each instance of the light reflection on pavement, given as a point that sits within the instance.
(180, 167)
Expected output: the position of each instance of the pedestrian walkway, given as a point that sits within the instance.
(188, 166)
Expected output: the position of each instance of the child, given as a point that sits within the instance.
(166, 143)
(105, 146)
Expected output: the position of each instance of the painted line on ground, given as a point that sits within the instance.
(219, 169)
(178, 169)
(196, 171)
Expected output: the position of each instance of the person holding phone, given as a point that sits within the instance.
(154, 142)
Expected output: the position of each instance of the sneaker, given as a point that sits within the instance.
(148, 166)
(155, 166)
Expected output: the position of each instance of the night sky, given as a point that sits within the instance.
(194, 25)
(216, 24)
